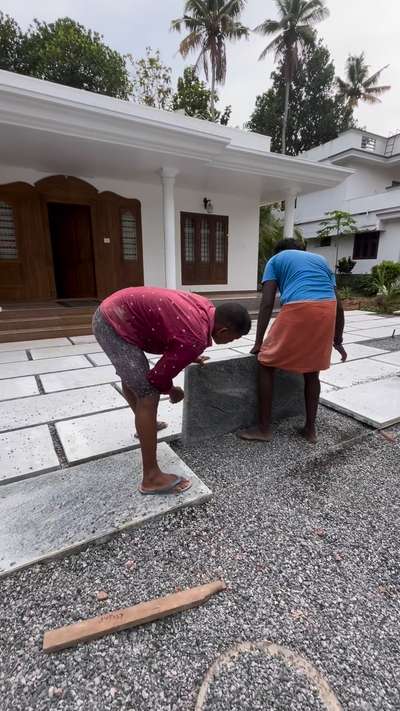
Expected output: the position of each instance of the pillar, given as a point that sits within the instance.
(290, 205)
(168, 182)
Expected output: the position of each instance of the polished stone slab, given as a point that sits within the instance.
(13, 356)
(66, 510)
(40, 409)
(356, 351)
(63, 351)
(98, 358)
(106, 432)
(83, 339)
(27, 452)
(222, 397)
(47, 365)
(18, 387)
(345, 375)
(41, 343)
(69, 380)
(392, 357)
(376, 403)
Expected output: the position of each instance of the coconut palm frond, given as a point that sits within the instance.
(359, 85)
(269, 27)
(371, 81)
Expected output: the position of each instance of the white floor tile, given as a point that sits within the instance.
(223, 354)
(345, 375)
(47, 365)
(372, 333)
(88, 437)
(13, 357)
(41, 343)
(26, 452)
(377, 403)
(78, 378)
(40, 409)
(18, 387)
(63, 351)
(99, 358)
(83, 339)
(389, 357)
(356, 351)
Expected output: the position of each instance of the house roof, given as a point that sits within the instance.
(58, 129)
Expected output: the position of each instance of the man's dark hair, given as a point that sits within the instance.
(289, 244)
(234, 316)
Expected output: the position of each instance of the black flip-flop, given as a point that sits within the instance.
(169, 489)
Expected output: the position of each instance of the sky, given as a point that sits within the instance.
(353, 26)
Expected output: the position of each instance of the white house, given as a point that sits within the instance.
(371, 194)
(98, 193)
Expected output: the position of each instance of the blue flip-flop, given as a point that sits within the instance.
(169, 489)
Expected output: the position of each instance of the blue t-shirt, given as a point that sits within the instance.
(301, 276)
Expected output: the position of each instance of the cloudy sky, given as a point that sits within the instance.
(354, 26)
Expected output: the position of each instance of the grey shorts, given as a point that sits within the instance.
(128, 360)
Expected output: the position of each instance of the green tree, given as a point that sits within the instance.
(210, 23)
(67, 53)
(152, 84)
(359, 85)
(318, 115)
(194, 98)
(10, 42)
(337, 223)
(293, 32)
(270, 232)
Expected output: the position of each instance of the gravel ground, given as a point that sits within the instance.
(307, 541)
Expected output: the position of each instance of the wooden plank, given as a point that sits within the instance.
(117, 620)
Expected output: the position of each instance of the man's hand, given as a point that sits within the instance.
(202, 360)
(339, 348)
(256, 349)
(176, 395)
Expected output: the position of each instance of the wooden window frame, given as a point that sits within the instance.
(199, 272)
(366, 245)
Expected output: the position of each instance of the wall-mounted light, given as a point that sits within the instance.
(208, 205)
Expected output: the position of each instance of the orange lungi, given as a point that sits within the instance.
(301, 337)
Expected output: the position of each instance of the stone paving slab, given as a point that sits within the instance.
(13, 356)
(352, 337)
(47, 365)
(83, 339)
(379, 322)
(392, 357)
(107, 432)
(378, 332)
(40, 409)
(222, 397)
(41, 343)
(223, 354)
(83, 504)
(62, 351)
(345, 375)
(18, 387)
(78, 378)
(99, 358)
(356, 351)
(26, 452)
(376, 403)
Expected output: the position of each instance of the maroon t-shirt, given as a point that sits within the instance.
(175, 323)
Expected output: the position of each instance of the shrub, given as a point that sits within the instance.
(345, 265)
(386, 273)
(360, 284)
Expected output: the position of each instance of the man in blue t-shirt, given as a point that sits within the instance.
(309, 323)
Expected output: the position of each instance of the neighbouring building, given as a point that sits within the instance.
(97, 194)
(371, 194)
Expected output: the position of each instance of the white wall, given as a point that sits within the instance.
(243, 216)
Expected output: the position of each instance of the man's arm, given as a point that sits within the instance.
(339, 327)
(174, 360)
(266, 308)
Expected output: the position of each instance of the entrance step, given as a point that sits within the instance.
(22, 322)
(83, 504)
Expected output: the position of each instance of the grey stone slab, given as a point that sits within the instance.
(99, 358)
(62, 351)
(40, 343)
(345, 375)
(40, 409)
(18, 387)
(24, 453)
(78, 378)
(13, 356)
(376, 403)
(393, 357)
(47, 365)
(356, 351)
(83, 339)
(106, 432)
(67, 510)
(222, 398)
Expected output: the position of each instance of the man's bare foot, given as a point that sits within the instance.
(160, 426)
(158, 481)
(255, 434)
(309, 434)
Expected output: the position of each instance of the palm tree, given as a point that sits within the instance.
(210, 23)
(294, 30)
(358, 85)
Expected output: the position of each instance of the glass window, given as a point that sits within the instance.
(205, 241)
(220, 242)
(188, 231)
(129, 236)
(8, 237)
(366, 245)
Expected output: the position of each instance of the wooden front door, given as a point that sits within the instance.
(204, 248)
(71, 238)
